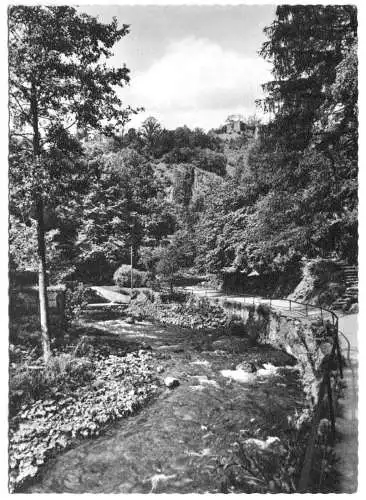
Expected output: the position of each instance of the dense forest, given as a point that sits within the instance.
(85, 188)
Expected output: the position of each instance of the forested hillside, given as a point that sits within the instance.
(259, 199)
(299, 195)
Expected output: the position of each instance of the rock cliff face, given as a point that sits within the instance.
(308, 342)
(185, 182)
(323, 282)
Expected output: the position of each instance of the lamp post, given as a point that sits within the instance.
(131, 251)
(132, 226)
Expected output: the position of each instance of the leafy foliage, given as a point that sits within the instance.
(124, 206)
(302, 152)
(76, 298)
(56, 82)
(73, 397)
(297, 194)
(122, 277)
(182, 145)
(169, 263)
(54, 51)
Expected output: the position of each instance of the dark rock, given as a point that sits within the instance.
(171, 348)
(222, 343)
(247, 366)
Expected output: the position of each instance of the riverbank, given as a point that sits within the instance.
(187, 439)
(218, 360)
(346, 447)
(234, 401)
(87, 386)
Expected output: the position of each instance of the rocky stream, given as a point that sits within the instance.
(187, 437)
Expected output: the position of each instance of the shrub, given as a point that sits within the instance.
(29, 383)
(214, 281)
(146, 294)
(122, 277)
(76, 299)
(174, 296)
(168, 264)
(264, 310)
(143, 307)
(211, 161)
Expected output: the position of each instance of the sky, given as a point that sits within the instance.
(191, 65)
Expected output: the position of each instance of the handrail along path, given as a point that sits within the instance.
(330, 321)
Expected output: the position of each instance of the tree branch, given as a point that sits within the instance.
(69, 126)
(20, 106)
(21, 135)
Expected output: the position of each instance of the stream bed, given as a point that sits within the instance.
(176, 443)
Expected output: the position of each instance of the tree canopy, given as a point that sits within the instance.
(57, 81)
(297, 196)
(247, 200)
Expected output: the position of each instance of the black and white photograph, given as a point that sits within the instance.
(182, 224)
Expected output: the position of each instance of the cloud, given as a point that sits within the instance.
(197, 81)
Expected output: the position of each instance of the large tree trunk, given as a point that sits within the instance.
(42, 268)
(42, 284)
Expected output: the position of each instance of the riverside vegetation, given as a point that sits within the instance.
(102, 377)
(98, 376)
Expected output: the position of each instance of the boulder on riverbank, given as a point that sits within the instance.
(171, 382)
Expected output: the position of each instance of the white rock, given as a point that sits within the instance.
(239, 375)
(171, 382)
(196, 388)
(204, 380)
(272, 443)
(160, 478)
(268, 370)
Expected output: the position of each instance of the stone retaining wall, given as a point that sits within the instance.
(308, 340)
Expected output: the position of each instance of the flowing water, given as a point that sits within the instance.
(174, 444)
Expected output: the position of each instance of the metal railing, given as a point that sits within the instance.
(294, 306)
(297, 308)
(324, 389)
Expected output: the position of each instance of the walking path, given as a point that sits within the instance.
(294, 309)
(347, 418)
(109, 293)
